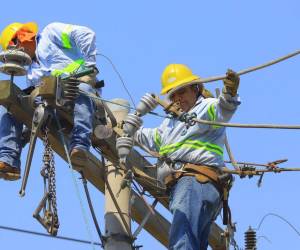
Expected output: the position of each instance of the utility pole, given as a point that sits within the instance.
(117, 203)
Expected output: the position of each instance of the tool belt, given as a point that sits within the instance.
(204, 174)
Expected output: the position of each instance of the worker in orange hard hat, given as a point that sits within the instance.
(193, 154)
(59, 50)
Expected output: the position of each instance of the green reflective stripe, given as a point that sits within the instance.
(191, 144)
(212, 114)
(157, 139)
(65, 38)
(69, 69)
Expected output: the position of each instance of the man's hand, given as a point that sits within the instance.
(231, 83)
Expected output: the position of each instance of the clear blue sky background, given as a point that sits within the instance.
(141, 38)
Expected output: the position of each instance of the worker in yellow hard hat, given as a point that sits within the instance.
(193, 154)
(59, 50)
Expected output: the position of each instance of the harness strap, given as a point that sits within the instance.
(205, 174)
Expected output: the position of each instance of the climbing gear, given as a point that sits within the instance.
(42, 115)
(204, 174)
(49, 219)
(10, 31)
(47, 205)
(231, 83)
(9, 173)
(176, 75)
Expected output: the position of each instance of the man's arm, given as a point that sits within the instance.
(223, 108)
(73, 37)
(150, 138)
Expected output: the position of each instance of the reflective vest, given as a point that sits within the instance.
(198, 144)
(62, 49)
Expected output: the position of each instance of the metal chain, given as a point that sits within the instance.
(49, 164)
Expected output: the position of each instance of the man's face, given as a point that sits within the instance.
(29, 47)
(185, 97)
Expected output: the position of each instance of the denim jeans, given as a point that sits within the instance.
(194, 207)
(11, 129)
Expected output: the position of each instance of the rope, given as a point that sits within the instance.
(74, 181)
(88, 197)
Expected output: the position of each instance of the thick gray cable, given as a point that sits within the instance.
(251, 69)
(241, 125)
(222, 124)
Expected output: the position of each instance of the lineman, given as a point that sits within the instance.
(60, 49)
(195, 194)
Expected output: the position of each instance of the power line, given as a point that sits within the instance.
(47, 235)
(280, 217)
(119, 75)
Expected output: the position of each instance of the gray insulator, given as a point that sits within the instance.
(124, 145)
(131, 124)
(14, 62)
(147, 104)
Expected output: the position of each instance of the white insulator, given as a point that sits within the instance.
(14, 62)
(147, 104)
(131, 124)
(124, 146)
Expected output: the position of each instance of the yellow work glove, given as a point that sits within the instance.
(231, 83)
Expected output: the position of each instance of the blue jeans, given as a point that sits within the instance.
(11, 129)
(194, 206)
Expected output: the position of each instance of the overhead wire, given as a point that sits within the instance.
(119, 75)
(280, 217)
(14, 229)
(201, 121)
(88, 229)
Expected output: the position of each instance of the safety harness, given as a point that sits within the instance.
(204, 174)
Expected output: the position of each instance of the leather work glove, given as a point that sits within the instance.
(231, 83)
(91, 78)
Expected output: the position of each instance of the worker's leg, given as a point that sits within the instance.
(83, 119)
(193, 206)
(10, 139)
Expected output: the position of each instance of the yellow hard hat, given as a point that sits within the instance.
(176, 75)
(9, 32)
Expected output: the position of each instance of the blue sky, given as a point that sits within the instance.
(141, 38)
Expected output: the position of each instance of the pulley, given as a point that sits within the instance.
(14, 62)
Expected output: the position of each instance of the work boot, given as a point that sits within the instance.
(79, 158)
(9, 173)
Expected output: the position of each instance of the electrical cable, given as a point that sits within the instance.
(280, 217)
(74, 180)
(222, 124)
(47, 235)
(119, 75)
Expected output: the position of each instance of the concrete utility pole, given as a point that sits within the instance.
(117, 227)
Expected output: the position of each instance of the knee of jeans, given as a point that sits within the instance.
(86, 87)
